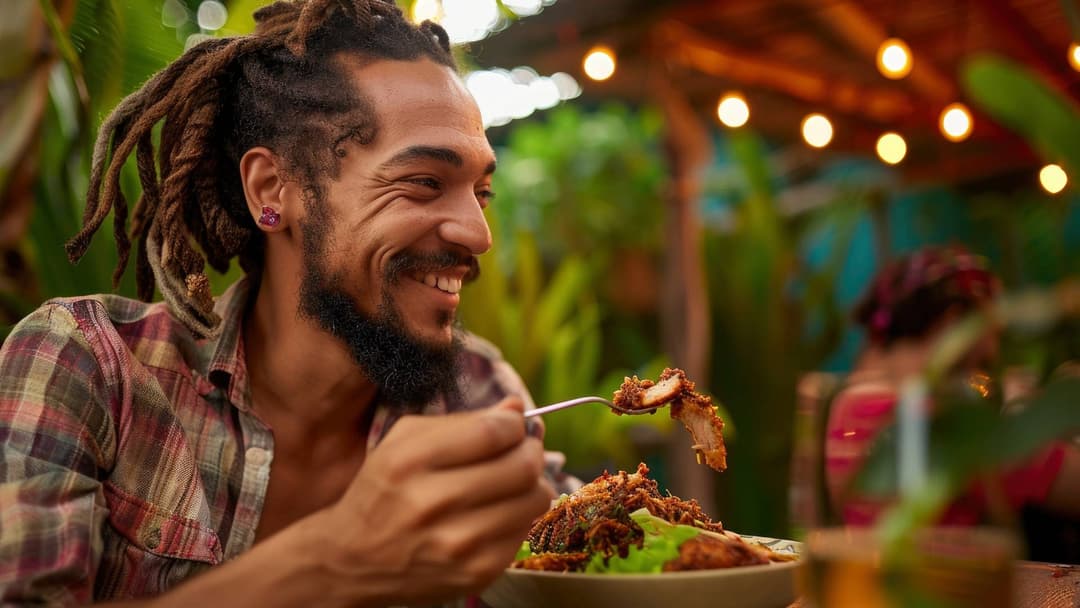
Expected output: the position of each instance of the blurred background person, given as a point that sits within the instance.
(908, 306)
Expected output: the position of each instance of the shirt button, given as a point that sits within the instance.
(152, 538)
(257, 456)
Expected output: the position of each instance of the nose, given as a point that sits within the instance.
(465, 225)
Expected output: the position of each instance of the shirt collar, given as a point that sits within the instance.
(227, 367)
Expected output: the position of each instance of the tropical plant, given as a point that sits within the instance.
(104, 49)
(573, 188)
(774, 317)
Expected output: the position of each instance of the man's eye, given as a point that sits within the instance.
(427, 182)
(485, 197)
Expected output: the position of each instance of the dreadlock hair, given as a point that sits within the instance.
(282, 87)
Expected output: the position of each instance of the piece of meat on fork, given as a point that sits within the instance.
(693, 409)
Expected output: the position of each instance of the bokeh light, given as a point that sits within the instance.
(505, 95)
(524, 8)
(427, 10)
(733, 110)
(174, 14)
(1074, 56)
(599, 63)
(894, 58)
(469, 20)
(1053, 178)
(817, 130)
(891, 148)
(956, 122)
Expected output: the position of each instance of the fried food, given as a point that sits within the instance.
(595, 522)
(694, 410)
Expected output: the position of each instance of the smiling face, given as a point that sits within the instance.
(407, 209)
(389, 242)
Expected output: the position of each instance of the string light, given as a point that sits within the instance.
(817, 130)
(891, 148)
(733, 110)
(427, 10)
(1074, 56)
(599, 63)
(956, 122)
(1053, 178)
(894, 59)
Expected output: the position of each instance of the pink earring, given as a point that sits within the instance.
(269, 217)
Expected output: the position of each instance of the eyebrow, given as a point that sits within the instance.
(445, 155)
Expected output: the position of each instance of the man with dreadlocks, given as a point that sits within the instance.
(336, 154)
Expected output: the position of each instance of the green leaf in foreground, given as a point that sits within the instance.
(966, 440)
(524, 551)
(661, 545)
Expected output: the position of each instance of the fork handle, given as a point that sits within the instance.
(554, 407)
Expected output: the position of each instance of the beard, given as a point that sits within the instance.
(408, 372)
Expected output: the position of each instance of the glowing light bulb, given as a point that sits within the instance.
(891, 148)
(733, 110)
(894, 58)
(1053, 178)
(599, 63)
(817, 130)
(1074, 56)
(427, 10)
(956, 122)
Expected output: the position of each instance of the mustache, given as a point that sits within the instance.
(410, 263)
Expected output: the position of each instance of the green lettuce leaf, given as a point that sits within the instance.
(661, 545)
(525, 550)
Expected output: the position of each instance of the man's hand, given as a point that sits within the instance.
(438, 509)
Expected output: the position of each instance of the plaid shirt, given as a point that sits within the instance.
(130, 459)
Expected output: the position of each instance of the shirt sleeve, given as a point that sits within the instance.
(55, 433)
(1030, 481)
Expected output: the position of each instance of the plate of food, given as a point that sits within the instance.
(618, 541)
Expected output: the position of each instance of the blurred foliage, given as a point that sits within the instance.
(590, 183)
(1032, 108)
(576, 192)
(108, 50)
(773, 318)
(967, 438)
(1030, 231)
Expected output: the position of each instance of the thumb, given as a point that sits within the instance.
(512, 403)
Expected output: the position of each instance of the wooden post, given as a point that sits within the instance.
(684, 322)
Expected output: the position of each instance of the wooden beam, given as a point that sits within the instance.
(865, 33)
(1029, 44)
(686, 45)
(960, 168)
(685, 321)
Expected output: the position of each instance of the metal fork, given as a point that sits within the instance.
(580, 400)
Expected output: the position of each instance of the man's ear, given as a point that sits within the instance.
(263, 177)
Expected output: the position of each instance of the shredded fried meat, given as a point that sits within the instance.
(693, 409)
(596, 520)
(726, 550)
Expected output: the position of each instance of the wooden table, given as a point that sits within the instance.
(1040, 585)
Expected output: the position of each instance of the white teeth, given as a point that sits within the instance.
(447, 284)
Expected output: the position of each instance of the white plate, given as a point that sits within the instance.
(768, 586)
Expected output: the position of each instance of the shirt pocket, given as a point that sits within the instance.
(159, 532)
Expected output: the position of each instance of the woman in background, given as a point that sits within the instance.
(907, 307)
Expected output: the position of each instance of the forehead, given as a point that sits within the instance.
(420, 103)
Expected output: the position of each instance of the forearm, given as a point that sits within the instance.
(285, 570)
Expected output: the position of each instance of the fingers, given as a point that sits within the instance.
(485, 539)
(514, 472)
(457, 439)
